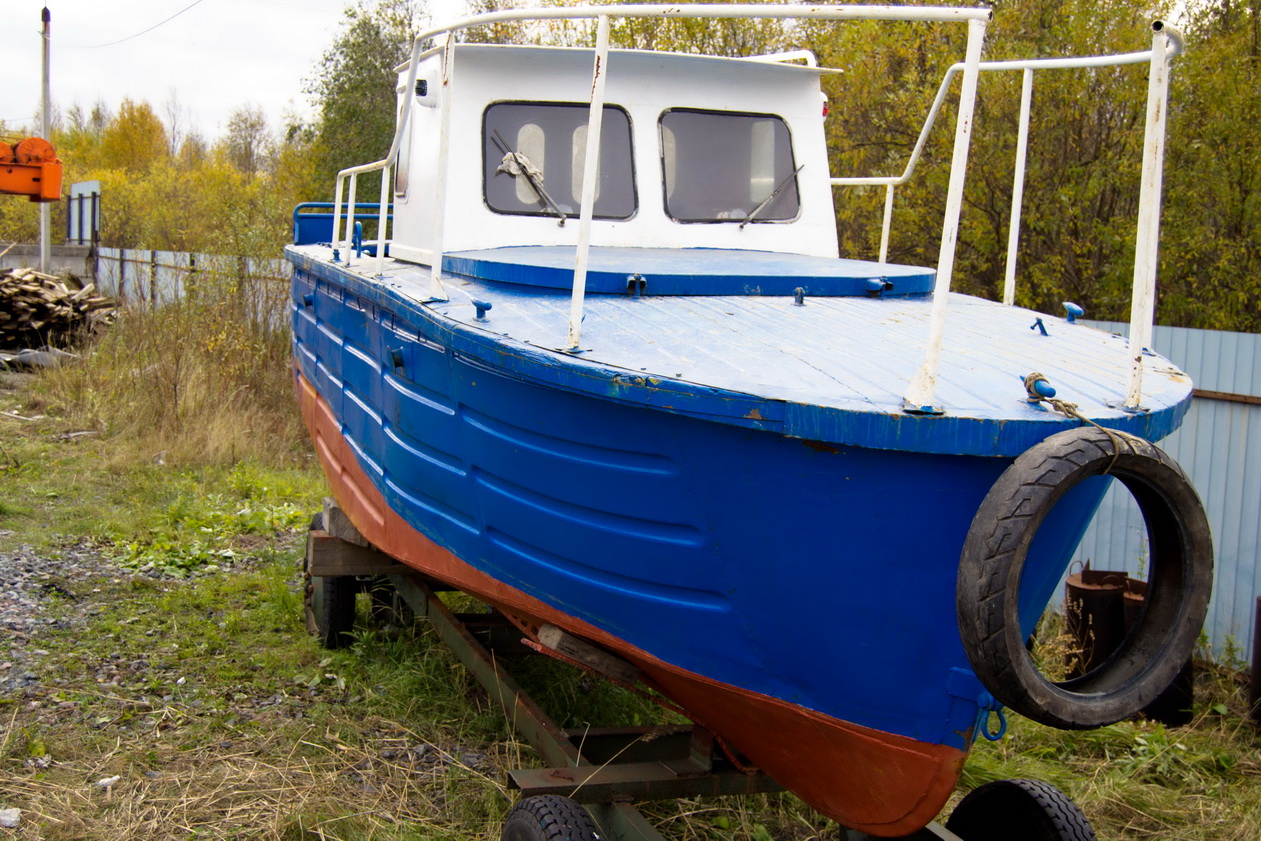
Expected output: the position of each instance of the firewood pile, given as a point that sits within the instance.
(38, 309)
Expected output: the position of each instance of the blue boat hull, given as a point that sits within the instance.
(818, 575)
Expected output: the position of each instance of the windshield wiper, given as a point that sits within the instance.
(766, 201)
(532, 175)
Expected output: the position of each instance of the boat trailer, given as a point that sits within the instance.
(595, 776)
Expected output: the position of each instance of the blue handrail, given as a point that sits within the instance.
(313, 220)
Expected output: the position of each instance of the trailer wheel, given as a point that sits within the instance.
(549, 818)
(1024, 809)
(987, 590)
(331, 609)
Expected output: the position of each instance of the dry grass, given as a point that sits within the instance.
(206, 379)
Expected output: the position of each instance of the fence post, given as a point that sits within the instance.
(153, 280)
(1254, 694)
(122, 275)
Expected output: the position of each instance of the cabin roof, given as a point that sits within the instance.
(628, 58)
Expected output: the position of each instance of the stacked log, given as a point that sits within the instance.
(38, 309)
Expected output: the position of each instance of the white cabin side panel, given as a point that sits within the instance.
(643, 84)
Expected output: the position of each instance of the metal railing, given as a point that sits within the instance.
(920, 395)
(1166, 44)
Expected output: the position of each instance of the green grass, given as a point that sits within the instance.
(193, 681)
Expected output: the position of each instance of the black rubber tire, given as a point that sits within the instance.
(381, 601)
(332, 606)
(1025, 809)
(549, 818)
(988, 586)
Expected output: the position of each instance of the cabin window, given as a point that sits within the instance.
(721, 166)
(533, 157)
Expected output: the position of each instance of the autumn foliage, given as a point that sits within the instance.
(167, 188)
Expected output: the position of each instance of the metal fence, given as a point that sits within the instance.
(142, 277)
(1213, 448)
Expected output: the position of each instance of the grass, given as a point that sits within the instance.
(184, 671)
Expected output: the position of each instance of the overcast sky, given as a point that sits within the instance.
(217, 56)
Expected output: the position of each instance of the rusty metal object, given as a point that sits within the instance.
(1101, 607)
(1096, 617)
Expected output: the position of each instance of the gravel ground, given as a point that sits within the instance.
(39, 592)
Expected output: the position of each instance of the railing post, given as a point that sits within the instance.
(350, 216)
(888, 221)
(436, 292)
(923, 388)
(337, 214)
(1147, 240)
(1018, 187)
(590, 174)
(381, 217)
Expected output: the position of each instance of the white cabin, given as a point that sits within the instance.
(734, 158)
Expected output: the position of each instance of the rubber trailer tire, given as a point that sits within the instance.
(332, 609)
(987, 591)
(549, 818)
(1026, 809)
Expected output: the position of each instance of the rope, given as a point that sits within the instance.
(1070, 410)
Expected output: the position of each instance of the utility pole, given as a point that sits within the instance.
(45, 209)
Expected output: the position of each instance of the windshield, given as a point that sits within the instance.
(721, 166)
(533, 156)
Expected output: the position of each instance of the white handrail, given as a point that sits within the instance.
(590, 176)
(1167, 42)
(436, 291)
(922, 392)
(1018, 187)
(1147, 239)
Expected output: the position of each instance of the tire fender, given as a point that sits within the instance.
(988, 586)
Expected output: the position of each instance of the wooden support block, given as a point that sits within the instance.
(338, 524)
(330, 556)
(587, 654)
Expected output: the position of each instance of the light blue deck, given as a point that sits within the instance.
(832, 370)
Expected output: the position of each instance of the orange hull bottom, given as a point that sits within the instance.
(876, 782)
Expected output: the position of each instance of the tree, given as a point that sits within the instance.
(135, 139)
(355, 88)
(247, 142)
(1211, 243)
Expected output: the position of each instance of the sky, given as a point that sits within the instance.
(213, 56)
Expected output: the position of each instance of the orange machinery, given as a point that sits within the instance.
(30, 168)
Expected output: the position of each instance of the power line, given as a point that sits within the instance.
(150, 29)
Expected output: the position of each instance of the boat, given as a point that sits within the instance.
(603, 366)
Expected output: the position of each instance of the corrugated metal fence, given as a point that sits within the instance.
(1213, 448)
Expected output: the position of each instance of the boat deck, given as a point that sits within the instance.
(832, 369)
